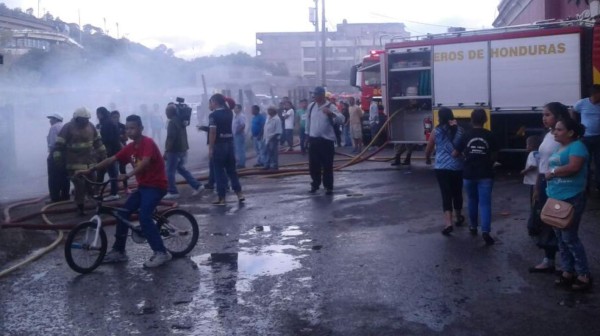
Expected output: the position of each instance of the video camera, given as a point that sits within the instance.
(184, 112)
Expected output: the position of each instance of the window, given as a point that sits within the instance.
(309, 52)
(310, 66)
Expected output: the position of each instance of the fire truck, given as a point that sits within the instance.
(367, 77)
(511, 72)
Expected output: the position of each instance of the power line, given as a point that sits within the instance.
(415, 22)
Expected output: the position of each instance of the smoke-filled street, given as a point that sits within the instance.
(368, 260)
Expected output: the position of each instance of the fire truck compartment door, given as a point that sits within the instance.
(461, 75)
(530, 72)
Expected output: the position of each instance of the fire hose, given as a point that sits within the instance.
(49, 225)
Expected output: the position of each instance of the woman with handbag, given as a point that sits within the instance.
(566, 182)
(545, 238)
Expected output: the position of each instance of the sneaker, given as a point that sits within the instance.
(111, 198)
(157, 259)
(488, 239)
(197, 190)
(395, 163)
(313, 190)
(171, 196)
(114, 256)
(329, 192)
(240, 196)
(220, 201)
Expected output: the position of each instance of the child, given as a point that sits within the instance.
(530, 175)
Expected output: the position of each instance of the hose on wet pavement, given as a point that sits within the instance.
(49, 225)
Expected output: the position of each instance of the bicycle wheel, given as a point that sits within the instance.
(179, 231)
(82, 254)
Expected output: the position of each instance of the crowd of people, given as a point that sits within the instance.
(556, 169)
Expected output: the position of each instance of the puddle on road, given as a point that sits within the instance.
(292, 231)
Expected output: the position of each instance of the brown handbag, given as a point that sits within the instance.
(557, 213)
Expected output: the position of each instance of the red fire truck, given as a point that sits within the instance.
(367, 77)
(511, 72)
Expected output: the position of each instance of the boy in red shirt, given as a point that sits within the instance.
(149, 171)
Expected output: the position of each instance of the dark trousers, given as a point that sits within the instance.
(593, 146)
(58, 182)
(320, 162)
(224, 165)
(123, 171)
(113, 173)
(451, 183)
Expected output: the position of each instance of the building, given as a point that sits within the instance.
(345, 47)
(21, 32)
(516, 12)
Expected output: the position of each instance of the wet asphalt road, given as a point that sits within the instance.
(369, 260)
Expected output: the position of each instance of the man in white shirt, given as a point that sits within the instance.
(272, 132)
(288, 117)
(322, 116)
(58, 181)
(239, 136)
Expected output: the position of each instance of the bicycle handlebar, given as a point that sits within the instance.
(102, 184)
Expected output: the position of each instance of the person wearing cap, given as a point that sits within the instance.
(58, 182)
(78, 146)
(322, 118)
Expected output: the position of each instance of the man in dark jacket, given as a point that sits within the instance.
(111, 138)
(176, 147)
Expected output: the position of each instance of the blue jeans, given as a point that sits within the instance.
(573, 258)
(303, 139)
(145, 199)
(224, 165)
(346, 135)
(239, 141)
(479, 195)
(176, 163)
(288, 136)
(259, 145)
(271, 152)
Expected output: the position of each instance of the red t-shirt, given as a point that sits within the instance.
(154, 175)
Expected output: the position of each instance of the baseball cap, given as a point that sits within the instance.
(319, 90)
(55, 116)
(82, 112)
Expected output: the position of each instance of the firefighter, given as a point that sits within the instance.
(78, 147)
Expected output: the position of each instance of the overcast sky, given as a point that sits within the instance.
(207, 27)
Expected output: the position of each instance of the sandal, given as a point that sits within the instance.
(581, 286)
(563, 281)
(446, 231)
(460, 219)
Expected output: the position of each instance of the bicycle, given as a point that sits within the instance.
(86, 244)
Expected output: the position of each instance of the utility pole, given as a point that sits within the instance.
(117, 30)
(323, 48)
(316, 23)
